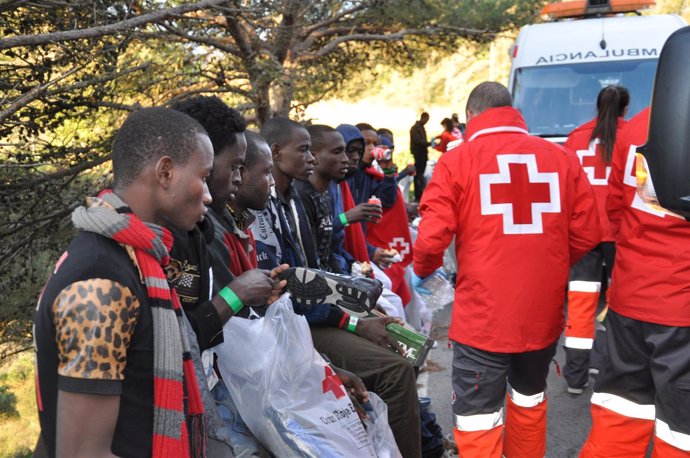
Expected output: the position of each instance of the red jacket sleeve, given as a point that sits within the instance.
(439, 211)
(584, 229)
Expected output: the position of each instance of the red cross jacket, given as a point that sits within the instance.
(595, 168)
(651, 277)
(523, 212)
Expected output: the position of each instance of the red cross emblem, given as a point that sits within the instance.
(596, 170)
(332, 383)
(520, 193)
(400, 245)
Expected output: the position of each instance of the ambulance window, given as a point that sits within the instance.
(555, 99)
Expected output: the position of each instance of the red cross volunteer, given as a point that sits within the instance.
(522, 212)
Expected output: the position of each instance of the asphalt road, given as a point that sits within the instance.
(568, 416)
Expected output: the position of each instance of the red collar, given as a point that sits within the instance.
(493, 120)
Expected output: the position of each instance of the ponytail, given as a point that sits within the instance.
(611, 104)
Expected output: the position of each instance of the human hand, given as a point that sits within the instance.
(382, 259)
(364, 212)
(386, 163)
(410, 169)
(279, 285)
(254, 287)
(417, 281)
(355, 389)
(374, 330)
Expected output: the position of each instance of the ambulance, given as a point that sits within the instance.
(559, 67)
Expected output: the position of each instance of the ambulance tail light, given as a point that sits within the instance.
(582, 8)
(645, 186)
(513, 51)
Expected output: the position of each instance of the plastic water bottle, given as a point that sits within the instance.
(442, 291)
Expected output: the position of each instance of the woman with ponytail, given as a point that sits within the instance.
(593, 142)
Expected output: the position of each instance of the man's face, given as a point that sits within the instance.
(187, 194)
(371, 139)
(257, 181)
(295, 159)
(354, 151)
(331, 159)
(227, 170)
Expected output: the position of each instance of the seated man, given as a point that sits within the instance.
(364, 184)
(282, 233)
(328, 148)
(390, 232)
(100, 390)
(350, 242)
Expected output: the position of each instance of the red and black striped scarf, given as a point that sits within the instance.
(173, 369)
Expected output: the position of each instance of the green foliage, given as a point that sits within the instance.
(8, 402)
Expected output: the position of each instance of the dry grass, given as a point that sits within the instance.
(18, 433)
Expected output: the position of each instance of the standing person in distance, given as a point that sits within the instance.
(593, 142)
(419, 148)
(449, 137)
(522, 212)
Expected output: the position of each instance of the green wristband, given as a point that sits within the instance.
(352, 325)
(343, 219)
(231, 299)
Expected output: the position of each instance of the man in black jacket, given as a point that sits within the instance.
(418, 147)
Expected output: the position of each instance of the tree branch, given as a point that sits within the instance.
(7, 354)
(101, 79)
(109, 29)
(309, 30)
(397, 36)
(26, 184)
(19, 225)
(203, 40)
(32, 95)
(241, 40)
(285, 34)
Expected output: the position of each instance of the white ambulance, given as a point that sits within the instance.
(559, 67)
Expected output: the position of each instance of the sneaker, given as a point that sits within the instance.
(355, 295)
(449, 444)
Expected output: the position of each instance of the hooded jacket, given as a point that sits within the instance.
(522, 212)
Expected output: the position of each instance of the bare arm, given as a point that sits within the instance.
(85, 424)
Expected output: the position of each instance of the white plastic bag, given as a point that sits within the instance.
(378, 430)
(287, 394)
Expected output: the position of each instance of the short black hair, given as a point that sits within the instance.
(364, 126)
(317, 131)
(278, 130)
(385, 132)
(220, 121)
(448, 124)
(488, 95)
(149, 134)
(254, 141)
